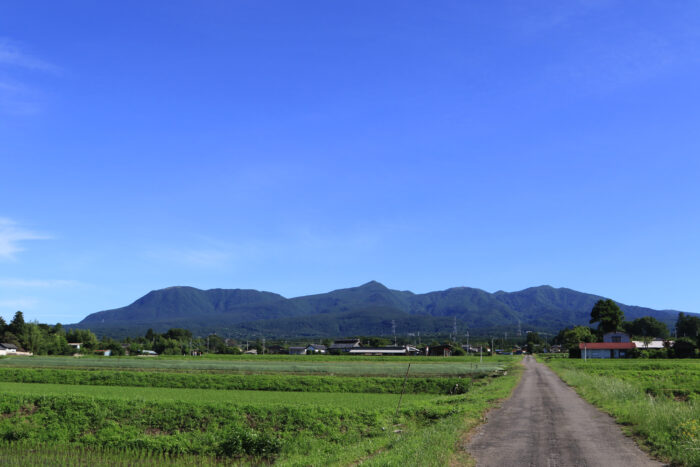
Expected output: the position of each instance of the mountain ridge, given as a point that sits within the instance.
(367, 309)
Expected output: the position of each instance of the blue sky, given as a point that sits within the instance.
(299, 147)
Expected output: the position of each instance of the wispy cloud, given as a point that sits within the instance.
(12, 236)
(17, 97)
(13, 55)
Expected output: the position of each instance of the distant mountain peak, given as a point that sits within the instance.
(373, 283)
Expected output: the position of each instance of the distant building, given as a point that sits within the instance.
(105, 352)
(439, 350)
(149, 353)
(378, 351)
(316, 348)
(344, 344)
(274, 349)
(8, 348)
(297, 351)
(616, 337)
(75, 345)
(605, 349)
(654, 344)
(251, 352)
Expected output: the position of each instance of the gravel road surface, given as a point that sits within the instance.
(545, 423)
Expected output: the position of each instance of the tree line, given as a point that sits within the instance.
(610, 318)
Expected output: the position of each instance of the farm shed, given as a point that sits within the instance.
(344, 344)
(653, 344)
(400, 350)
(605, 349)
(316, 348)
(6, 349)
(297, 351)
(439, 350)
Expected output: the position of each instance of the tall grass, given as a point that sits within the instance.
(670, 428)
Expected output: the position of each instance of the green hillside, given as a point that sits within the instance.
(365, 310)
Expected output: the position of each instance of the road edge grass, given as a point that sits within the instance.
(440, 443)
(663, 427)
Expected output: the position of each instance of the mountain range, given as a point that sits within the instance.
(370, 309)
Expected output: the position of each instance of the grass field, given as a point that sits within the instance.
(656, 400)
(195, 396)
(312, 365)
(145, 411)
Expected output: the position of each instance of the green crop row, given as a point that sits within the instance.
(241, 398)
(284, 382)
(178, 427)
(107, 428)
(339, 366)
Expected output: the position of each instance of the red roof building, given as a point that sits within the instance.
(605, 349)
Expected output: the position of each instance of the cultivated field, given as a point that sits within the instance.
(657, 400)
(243, 410)
(276, 364)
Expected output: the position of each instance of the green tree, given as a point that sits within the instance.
(33, 339)
(608, 316)
(3, 326)
(688, 326)
(17, 324)
(534, 342)
(570, 338)
(647, 326)
(684, 347)
(85, 337)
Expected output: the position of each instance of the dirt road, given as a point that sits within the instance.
(546, 423)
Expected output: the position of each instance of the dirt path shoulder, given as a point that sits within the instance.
(545, 423)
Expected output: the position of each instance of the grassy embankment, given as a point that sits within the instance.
(657, 400)
(118, 423)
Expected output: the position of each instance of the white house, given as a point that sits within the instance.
(7, 349)
(616, 336)
(316, 348)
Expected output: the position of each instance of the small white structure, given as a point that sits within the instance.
(403, 350)
(316, 348)
(654, 344)
(297, 351)
(8, 349)
(75, 345)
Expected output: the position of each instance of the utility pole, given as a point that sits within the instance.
(263, 349)
(393, 330)
(468, 348)
(454, 329)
